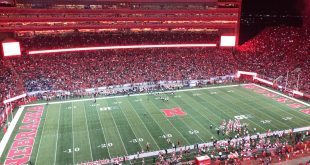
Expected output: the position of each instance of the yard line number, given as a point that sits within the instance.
(105, 145)
(240, 117)
(265, 121)
(136, 140)
(166, 136)
(192, 132)
(70, 150)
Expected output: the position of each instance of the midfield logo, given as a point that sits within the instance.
(174, 112)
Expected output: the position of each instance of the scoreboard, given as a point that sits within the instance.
(11, 49)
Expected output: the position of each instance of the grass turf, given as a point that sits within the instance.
(83, 131)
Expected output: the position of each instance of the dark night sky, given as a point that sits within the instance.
(258, 14)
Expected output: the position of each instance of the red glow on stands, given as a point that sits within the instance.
(120, 47)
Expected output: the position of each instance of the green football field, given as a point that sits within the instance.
(80, 131)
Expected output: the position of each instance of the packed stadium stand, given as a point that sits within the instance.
(263, 54)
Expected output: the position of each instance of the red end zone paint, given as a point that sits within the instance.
(22, 146)
(120, 47)
(249, 86)
(295, 105)
(174, 112)
(273, 96)
(306, 111)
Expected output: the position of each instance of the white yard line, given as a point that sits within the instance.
(119, 134)
(155, 153)
(172, 125)
(165, 133)
(73, 148)
(9, 132)
(105, 139)
(133, 131)
(143, 124)
(57, 135)
(42, 133)
(198, 123)
(102, 98)
(91, 152)
(283, 95)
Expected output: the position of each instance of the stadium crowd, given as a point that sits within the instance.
(269, 148)
(104, 68)
(274, 52)
(277, 51)
(264, 54)
(51, 41)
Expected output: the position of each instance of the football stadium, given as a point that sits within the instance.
(154, 82)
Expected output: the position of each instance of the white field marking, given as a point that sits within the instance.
(140, 94)
(9, 132)
(288, 98)
(196, 94)
(91, 152)
(230, 91)
(172, 126)
(177, 96)
(107, 145)
(117, 102)
(154, 153)
(213, 93)
(283, 95)
(254, 123)
(154, 120)
(138, 100)
(119, 134)
(12, 126)
(166, 136)
(104, 108)
(192, 132)
(72, 132)
(41, 136)
(105, 139)
(136, 140)
(200, 105)
(287, 118)
(93, 105)
(132, 130)
(265, 121)
(277, 120)
(144, 125)
(194, 121)
(57, 135)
